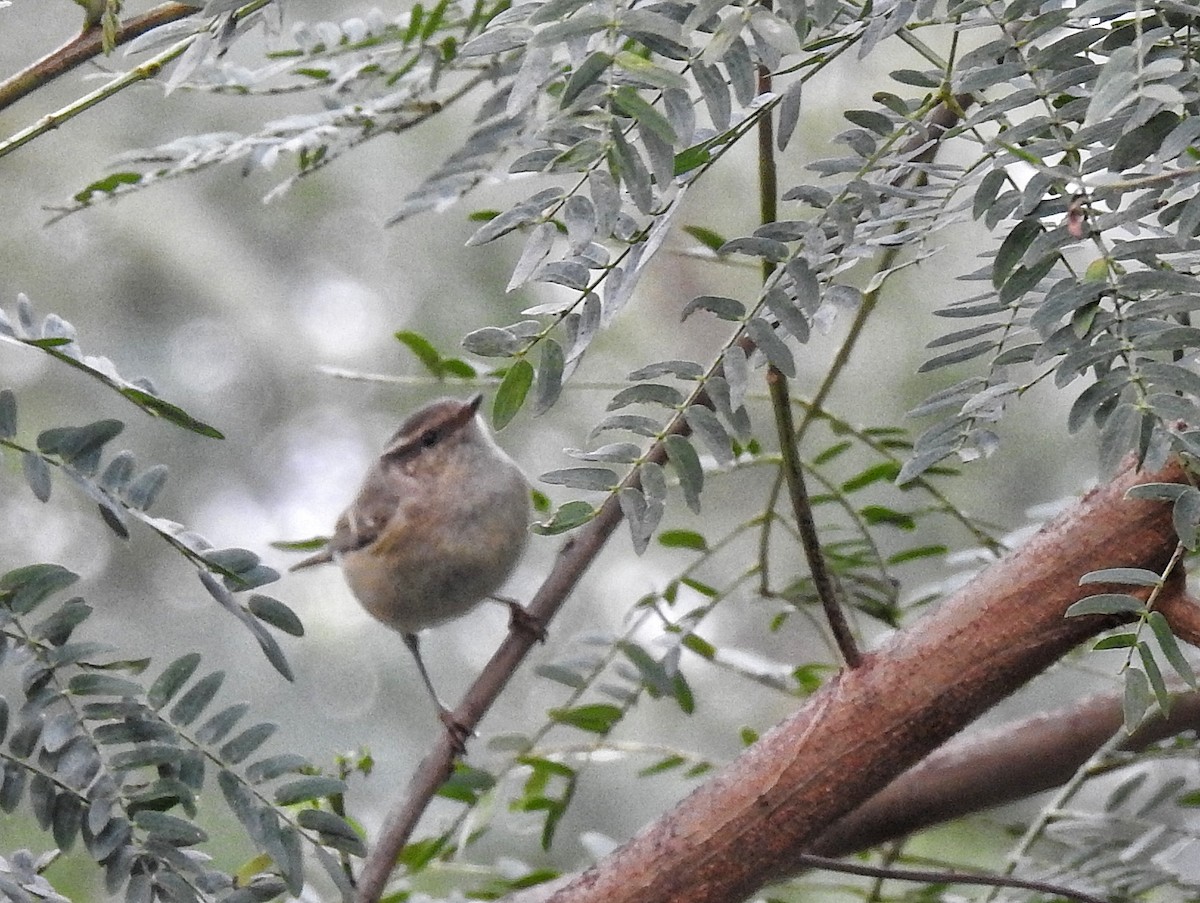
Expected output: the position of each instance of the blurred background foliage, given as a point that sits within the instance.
(236, 309)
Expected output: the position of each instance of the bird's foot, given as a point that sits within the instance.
(520, 619)
(458, 732)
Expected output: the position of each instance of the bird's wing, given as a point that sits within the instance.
(361, 523)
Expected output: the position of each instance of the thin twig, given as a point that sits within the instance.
(802, 509)
(937, 876)
(768, 190)
(83, 47)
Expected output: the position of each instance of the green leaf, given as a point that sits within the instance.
(1159, 686)
(275, 613)
(724, 308)
(585, 74)
(307, 789)
(172, 679)
(627, 101)
(274, 766)
(247, 742)
(424, 350)
(1132, 576)
(880, 514)
(335, 831)
(597, 718)
(707, 237)
(511, 394)
(1013, 248)
(24, 589)
(932, 551)
(568, 517)
(8, 414)
(1106, 604)
(169, 829)
(142, 492)
(887, 471)
(1116, 641)
(37, 475)
(549, 377)
(596, 479)
(93, 684)
(1170, 648)
(195, 700)
(683, 539)
(1136, 698)
(687, 466)
(217, 728)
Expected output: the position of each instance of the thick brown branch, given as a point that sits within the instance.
(83, 47)
(739, 830)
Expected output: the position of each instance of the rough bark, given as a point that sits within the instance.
(738, 831)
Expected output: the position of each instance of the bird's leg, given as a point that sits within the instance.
(520, 619)
(459, 732)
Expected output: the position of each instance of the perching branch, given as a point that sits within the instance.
(743, 827)
(85, 46)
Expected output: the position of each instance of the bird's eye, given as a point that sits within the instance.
(430, 437)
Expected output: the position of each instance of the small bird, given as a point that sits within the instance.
(439, 523)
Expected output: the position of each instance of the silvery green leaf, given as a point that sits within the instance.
(727, 32)
(119, 472)
(579, 214)
(789, 112)
(587, 326)
(554, 10)
(660, 153)
(708, 429)
(632, 423)
(537, 68)
(766, 248)
(633, 171)
(641, 22)
(1186, 517)
(790, 317)
(687, 466)
(537, 246)
(145, 488)
(37, 475)
(808, 289)
(715, 93)
(195, 54)
(585, 74)
(772, 347)
(196, 699)
(743, 77)
(596, 479)
(725, 308)
(654, 481)
(497, 40)
(1121, 434)
(774, 31)
(570, 273)
(615, 453)
(172, 679)
(607, 201)
(549, 377)
(702, 11)
(247, 742)
(491, 341)
(736, 373)
(641, 515)
(521, 215)
(25, 316)
(689, 370)
(1114, 86)
(646, 393)
(681, 114)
